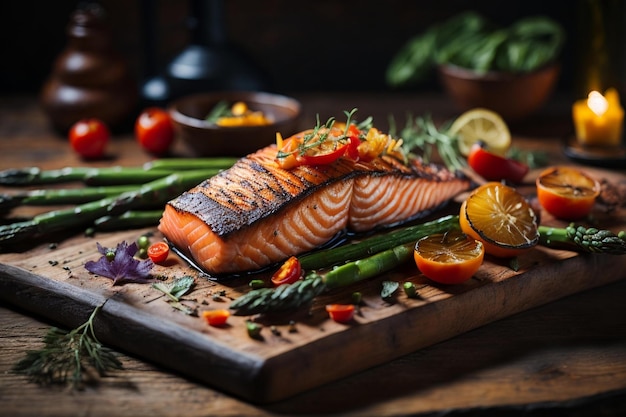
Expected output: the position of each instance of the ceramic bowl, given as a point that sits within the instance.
(202, 138)
(513, 96)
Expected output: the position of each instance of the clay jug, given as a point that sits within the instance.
(89, 79)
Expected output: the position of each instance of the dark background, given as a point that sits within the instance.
(304, 45)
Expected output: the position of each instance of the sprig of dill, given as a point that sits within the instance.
(69, 357)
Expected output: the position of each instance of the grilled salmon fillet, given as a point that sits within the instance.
(256, 213)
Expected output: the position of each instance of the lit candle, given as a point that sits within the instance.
(599, 119)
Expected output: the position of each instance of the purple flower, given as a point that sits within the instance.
(120, 265)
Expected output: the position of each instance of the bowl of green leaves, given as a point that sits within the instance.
(510, 70)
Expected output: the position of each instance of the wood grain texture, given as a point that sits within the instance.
(565, 358)
(136, 318)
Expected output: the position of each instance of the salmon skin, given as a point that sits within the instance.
(256, 214)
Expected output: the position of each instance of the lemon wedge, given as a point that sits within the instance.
(484, 125)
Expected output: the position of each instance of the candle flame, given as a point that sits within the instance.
(597, 103)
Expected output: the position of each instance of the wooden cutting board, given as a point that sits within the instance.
(300, 350)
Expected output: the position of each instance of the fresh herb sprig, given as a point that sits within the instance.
(321, 132)
(69, 357)
(176, 289)
(420, 135)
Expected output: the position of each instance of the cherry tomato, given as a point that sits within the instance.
(89, 137)
(216, 317)
(325, 154)
(353, 146)
(320, 150)
(341, 313)
(288, 273)
(158, 252)
(493, 167)
(154, 130)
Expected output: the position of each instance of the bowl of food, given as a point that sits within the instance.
(233, 123)
(513, 96)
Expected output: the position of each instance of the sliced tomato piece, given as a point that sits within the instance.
(324, 154)
(341, 313)
(324, 148)
(493, 167)
(353, 148)
(216, 317)
(288, 273)
(158, 252)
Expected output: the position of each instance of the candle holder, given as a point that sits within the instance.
(598, 138)
(595, 155)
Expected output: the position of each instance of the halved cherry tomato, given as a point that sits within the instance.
(158, 252)
(301, 149)
(354, 142)
(341, 313)
(326, 153)
(493, 167)
(89, 137)
(154, 130)
(216, 317)
(288, 273)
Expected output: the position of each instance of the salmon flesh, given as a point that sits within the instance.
(256, 214)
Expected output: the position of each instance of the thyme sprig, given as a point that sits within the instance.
(69, 357)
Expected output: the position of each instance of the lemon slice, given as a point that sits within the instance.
(481, 125)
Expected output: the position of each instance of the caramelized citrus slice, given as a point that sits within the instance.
(449, 258)
(566, 193)
(481, 125)
(501, 218)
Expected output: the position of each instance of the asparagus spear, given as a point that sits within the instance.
(129, 220)
(111, 175)
(264, 300)
(152, 193)
(45, 197)
(328, 257)
(581, 239)
(286, 297)
(186, 164)
(88, 175)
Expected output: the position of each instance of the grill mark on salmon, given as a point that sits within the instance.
(256, 214)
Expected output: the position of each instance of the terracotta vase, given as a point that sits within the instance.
(89, 79)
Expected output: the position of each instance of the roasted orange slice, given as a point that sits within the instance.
(501, 218)
(449, 258)
(567, 193)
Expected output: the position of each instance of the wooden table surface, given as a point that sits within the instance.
(566, 358)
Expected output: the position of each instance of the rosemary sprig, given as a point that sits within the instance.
(421, 135)
(69, 357)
